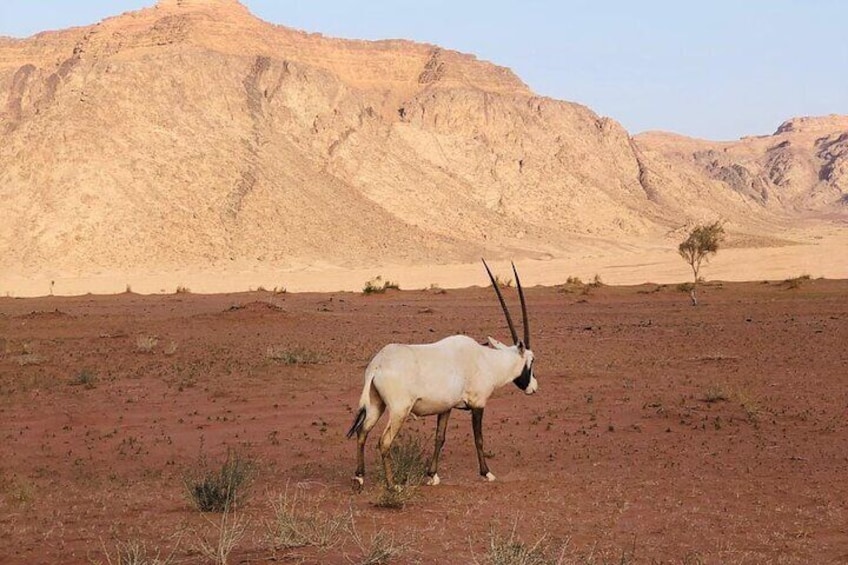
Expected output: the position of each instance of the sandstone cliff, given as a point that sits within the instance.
(193, 133)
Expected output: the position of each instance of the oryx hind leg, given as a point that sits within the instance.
(441, 429)
(396, 420)
(372, 414)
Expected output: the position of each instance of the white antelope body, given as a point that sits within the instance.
(427, 379)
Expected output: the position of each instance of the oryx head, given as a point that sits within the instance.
(526, 381)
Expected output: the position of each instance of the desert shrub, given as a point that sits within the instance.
(686, 287)
(575, 284)
(378, 286)
(796, 282)
(183, 290)
(84, 378)
(218, 490)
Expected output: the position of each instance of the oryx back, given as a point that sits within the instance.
(425, 379)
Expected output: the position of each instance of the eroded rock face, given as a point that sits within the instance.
(801, 167)
(192, 133)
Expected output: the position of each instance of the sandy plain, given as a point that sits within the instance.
(661, 432)
(821, 251)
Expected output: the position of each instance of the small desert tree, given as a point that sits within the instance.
(703, 241)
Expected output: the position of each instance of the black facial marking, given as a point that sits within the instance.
(522, 381)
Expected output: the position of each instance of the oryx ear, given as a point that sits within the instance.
(496, 344)
(521, 347)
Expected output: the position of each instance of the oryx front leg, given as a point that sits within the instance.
(477, 424)
(441, 429)
(392, 428)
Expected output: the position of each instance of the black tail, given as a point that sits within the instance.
(357, 423)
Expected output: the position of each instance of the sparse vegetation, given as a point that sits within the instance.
(750, 405)
(17, 491)
(296, 356)
(503, 283)
(135, 552)
(29, 358)
(84, 378)
(511, 550)
(222, 536)
(409, 465)
(686, 287)
(378, 286)
(171, 348)
(146, 343)
(296, 523)
(702, 243)
(575, 284)
(715, 394)
(379, 549)
(436, 289)
(796, 282)
(219, 490)
(183, 290)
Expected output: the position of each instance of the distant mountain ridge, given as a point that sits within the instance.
(193, 133)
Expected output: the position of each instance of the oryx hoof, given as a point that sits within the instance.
(488, 477)
(358, 483)
(434, 480)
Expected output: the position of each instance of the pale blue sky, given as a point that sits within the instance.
(718, 69)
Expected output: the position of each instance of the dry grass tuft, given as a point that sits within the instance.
(379, 549)
(298, 523)
(146, 343)
(296, 356)
(84, 378)
(221, 537)
(135, 552)
(715, 394)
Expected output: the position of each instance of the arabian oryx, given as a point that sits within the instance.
(456, 372)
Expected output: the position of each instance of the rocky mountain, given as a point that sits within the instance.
(192, 133)
(803, 166)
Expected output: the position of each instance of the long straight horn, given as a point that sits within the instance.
(503, 304)
(523, 309)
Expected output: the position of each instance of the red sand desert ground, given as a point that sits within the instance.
(661, 432)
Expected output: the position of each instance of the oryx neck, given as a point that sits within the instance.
(508, 364)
